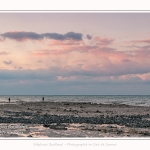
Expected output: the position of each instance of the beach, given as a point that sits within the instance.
(73, 119)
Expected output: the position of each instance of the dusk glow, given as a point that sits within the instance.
(75, 53)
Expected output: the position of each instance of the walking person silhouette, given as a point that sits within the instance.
(43, 99)
(9, 99)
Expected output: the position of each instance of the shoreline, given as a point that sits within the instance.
(62, 119)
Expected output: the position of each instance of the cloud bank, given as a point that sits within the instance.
(21, 36)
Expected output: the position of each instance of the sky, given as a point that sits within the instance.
(68, 53)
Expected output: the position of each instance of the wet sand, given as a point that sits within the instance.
(66, 119)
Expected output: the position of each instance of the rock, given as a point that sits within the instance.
(82, 107)
(45, 115)
(66, 103)
(58, 127)
(46, 125)
(146, 133)
(38, 111)
(97, 111)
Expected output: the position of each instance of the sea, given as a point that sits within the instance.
(134, 100)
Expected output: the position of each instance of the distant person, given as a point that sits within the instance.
(9, 99)
(43, 99)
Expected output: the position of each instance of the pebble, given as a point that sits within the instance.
(136, 121)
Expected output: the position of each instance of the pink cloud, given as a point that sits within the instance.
(126, 60)
(43, 52)
(142, 41)
(102, 41)
(4, 53)
(60, 47)
(66, 42)
(63, 47)
(100, 57)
